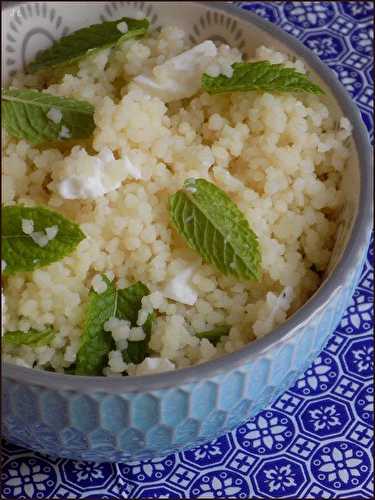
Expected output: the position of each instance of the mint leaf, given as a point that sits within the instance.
(260, 75)
(215, 334)
(128, 306)
(96, 343)
(130, 302)
(39, 117)
(137, 351)
(20, 252)
(82, 42)
(214, 226)
(33, 338)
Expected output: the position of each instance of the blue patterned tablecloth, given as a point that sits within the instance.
(316, 441)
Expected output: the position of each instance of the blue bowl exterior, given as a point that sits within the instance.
(137, 426)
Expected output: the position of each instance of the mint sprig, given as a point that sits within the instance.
(214, 335)
(96, 343)
(72, 48)
(39, 117)
(262, 76)
(213, 225)
(20, 252)
(33, 338)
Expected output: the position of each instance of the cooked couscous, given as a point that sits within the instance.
(279, 156)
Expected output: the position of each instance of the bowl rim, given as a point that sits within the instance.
(355, 248)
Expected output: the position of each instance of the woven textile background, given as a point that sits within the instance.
(316, 441)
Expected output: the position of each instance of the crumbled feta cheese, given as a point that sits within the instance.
(27, 226)
(3, 265)
(180, 76)
(151, 366)
(123, 27)
(77, 187)
(90, 177)
(98, 284)
(40, 238)
(54, 115)
(64, 133)
(51, 232)
(180, 289)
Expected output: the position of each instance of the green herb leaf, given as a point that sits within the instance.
(129, 304)
(260, 75)
(33, 338)
(214, 226)
(96, 343)
(137, 351)
(215, 334)
(20, 252)
(39, 117)
(85, 41)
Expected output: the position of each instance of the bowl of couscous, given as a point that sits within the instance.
(186, 205)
